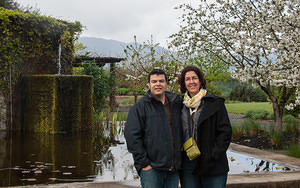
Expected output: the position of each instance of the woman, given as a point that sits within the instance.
(212, 132)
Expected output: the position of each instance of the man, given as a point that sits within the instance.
(153, 134)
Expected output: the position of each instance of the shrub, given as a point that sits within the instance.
(289, 119)
(276, 136)
(237, 132)
(246, 93)
(257, 114)
(290, 125)
(123, 91)
(102, 84)
(294, 150)
(250, 127)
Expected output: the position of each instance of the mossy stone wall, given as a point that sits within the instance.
(2, 113)
(56, 103)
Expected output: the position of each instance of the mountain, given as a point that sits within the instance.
(107, 48)
(103, 47)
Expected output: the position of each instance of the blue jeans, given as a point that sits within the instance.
(214, 181)
(159, 179)
(188, 180)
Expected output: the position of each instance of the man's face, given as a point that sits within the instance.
(157, 84)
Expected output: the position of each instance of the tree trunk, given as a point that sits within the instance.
(112, 96)
(278, 114)
(135, 98)
(277, 106)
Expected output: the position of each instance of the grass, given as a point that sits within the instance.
(243, 107)
(127, 102)
(232, 107)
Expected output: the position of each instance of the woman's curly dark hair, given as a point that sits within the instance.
(197, 71)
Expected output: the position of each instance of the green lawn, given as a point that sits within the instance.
(243, 107)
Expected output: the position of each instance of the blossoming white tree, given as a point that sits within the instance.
(141, 58)
(260, 39)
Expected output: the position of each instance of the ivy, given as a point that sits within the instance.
(28, 38)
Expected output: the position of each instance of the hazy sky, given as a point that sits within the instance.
(116, 19)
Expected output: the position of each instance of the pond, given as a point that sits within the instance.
(29, 159)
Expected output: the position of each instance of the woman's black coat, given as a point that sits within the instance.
(212, 134)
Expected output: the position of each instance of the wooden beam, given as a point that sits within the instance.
(100, 61)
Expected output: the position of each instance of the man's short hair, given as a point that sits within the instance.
(158, 72)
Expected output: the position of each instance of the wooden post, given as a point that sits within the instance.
(112, 95)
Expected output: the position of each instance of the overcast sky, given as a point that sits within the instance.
(116, 19)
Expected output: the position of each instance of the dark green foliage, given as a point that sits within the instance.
(246, 93)
(289, 119)
(137, 91)
(225, 87)
(294, 150)
(102, 84)
(122, 91)
(290, 125)
(29, 45)
(214, 90)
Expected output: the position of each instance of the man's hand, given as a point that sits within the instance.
(147, 168)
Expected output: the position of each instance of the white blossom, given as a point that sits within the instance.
(259, 38)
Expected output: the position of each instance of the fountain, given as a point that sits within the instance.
(56, 103)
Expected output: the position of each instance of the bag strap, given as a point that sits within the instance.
(194, 118)
(194, 124)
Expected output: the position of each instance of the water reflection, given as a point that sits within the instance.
(241, 164)
(45, 159)
(27, 159)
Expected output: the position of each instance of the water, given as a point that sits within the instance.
(244, 164)
(94, 157)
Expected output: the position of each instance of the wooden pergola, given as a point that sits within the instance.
(101, 61)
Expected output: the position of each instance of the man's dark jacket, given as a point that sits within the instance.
(212, 134)
(148, 133)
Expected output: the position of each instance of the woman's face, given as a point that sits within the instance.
(192, 83)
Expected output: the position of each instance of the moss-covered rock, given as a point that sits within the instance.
(56, 103)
